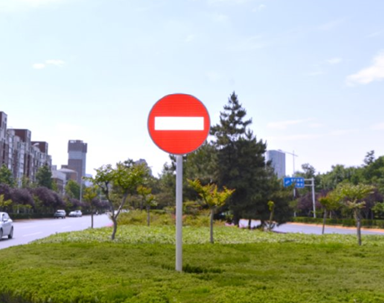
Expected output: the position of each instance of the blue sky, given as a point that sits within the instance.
(309, 73)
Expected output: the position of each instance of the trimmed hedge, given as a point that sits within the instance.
(342, 222)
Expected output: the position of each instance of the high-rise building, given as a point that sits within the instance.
(277, 158)
(77, 155)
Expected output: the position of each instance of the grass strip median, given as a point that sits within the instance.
(242, 266)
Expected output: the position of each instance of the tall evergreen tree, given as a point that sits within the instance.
(241, 164)
(44, 177)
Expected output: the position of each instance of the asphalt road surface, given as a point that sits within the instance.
(314, 229)
(26, 231)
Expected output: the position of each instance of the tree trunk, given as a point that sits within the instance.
(148, 216)
(236, 219)
(324, 219)
(114, 227)
(270, 219)
(211, 227)
(358, 226)
(91, 218)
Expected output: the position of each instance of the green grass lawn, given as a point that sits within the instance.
(242, 266)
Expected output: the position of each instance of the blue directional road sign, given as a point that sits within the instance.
(299, 182)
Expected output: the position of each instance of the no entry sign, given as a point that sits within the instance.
(178, 124)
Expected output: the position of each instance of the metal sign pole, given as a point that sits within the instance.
(313, 197)
(179, 213)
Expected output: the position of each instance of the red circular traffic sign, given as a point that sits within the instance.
(178, 123)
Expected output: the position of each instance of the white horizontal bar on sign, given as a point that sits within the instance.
(179, 123)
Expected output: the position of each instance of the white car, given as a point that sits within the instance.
(75, 213)
(6, 226)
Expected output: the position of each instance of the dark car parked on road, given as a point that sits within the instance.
(60, 213)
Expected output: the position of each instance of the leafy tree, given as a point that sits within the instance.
(369, 158)
(305, 203)
(5, 190)
(309, 171)
(72, 189)
(4, 203)
(241, 163)
(353, 196)
(49, 199)
(378, 209)
(374, 174)
(6, 176)
(44, 177)
(211, 197)
(90, 196)
(330, 202)
(25, 182)
(201, 164)
(22, 196)
(147, 199)
(118, 183)
(166, 195)
(339, 174)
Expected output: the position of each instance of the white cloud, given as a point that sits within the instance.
(375, 72)
(285, 124)
(334, 61)
(38, 66)
(58, 63)
(378, 126)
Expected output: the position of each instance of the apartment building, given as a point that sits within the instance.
(22, 156)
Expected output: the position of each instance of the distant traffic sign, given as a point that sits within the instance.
(299, 182)
(178, 124)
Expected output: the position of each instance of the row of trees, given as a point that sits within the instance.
(41, 197)
(371, 172)
(231, 161)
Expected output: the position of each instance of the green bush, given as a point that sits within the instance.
(137, 217)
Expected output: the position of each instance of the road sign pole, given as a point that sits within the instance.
(179, 124)
(313, 197)
(179, 213)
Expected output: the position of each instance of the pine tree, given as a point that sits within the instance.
(241, 164)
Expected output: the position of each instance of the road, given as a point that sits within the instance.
(315, 229)
(26, 231)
